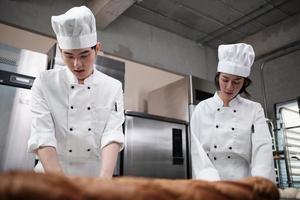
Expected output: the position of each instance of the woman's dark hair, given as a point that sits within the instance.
(247, 82)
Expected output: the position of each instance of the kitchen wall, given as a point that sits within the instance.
(282, 74)
(23, 39)
(282, 80)
(276, 36)
(152, 46)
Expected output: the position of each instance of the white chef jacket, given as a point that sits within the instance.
(77, 119)
(230, 143)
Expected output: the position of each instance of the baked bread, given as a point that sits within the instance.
(30, 185)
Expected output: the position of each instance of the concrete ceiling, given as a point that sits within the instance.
(208, 22)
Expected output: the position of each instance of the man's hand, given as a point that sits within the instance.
(49, 160)
(109, 157)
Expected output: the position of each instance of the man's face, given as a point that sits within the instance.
(80, 61)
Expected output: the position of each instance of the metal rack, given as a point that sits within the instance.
(277, 154)
(288, 142)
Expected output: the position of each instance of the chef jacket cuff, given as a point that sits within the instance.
(41, 140)
(113, 136)
(209, 174)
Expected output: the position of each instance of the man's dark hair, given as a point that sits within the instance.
(247, 82)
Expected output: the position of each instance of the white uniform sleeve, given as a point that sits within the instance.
(113, 131)
(42, 126)
(202, 167)
(262, 158)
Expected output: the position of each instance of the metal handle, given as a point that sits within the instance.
(177, 150)
(298, 102)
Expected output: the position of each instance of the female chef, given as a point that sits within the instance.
(77, 111)
(230, 137)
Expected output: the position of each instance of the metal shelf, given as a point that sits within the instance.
(288, 127)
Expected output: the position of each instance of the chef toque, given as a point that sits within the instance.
(75, 29)
(236, 59)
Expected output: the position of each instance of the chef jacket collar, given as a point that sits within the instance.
(219, 102)
(71, 78)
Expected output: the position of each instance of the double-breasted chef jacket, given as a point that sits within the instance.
(77, 119)
(230, 143)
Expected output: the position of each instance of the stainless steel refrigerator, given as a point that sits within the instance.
(155, 146)
(18, 68)
(159, 146)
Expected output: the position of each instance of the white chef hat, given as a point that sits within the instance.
(236, 59)
(75, 29)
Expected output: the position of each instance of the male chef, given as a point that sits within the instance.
(77, 111)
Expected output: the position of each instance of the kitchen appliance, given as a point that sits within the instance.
(176, 100)
(155, 146)
(18, 68)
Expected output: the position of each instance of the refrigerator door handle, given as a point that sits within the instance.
(177, 151)
(298, 102)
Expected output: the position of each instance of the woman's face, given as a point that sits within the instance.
(230, 85)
